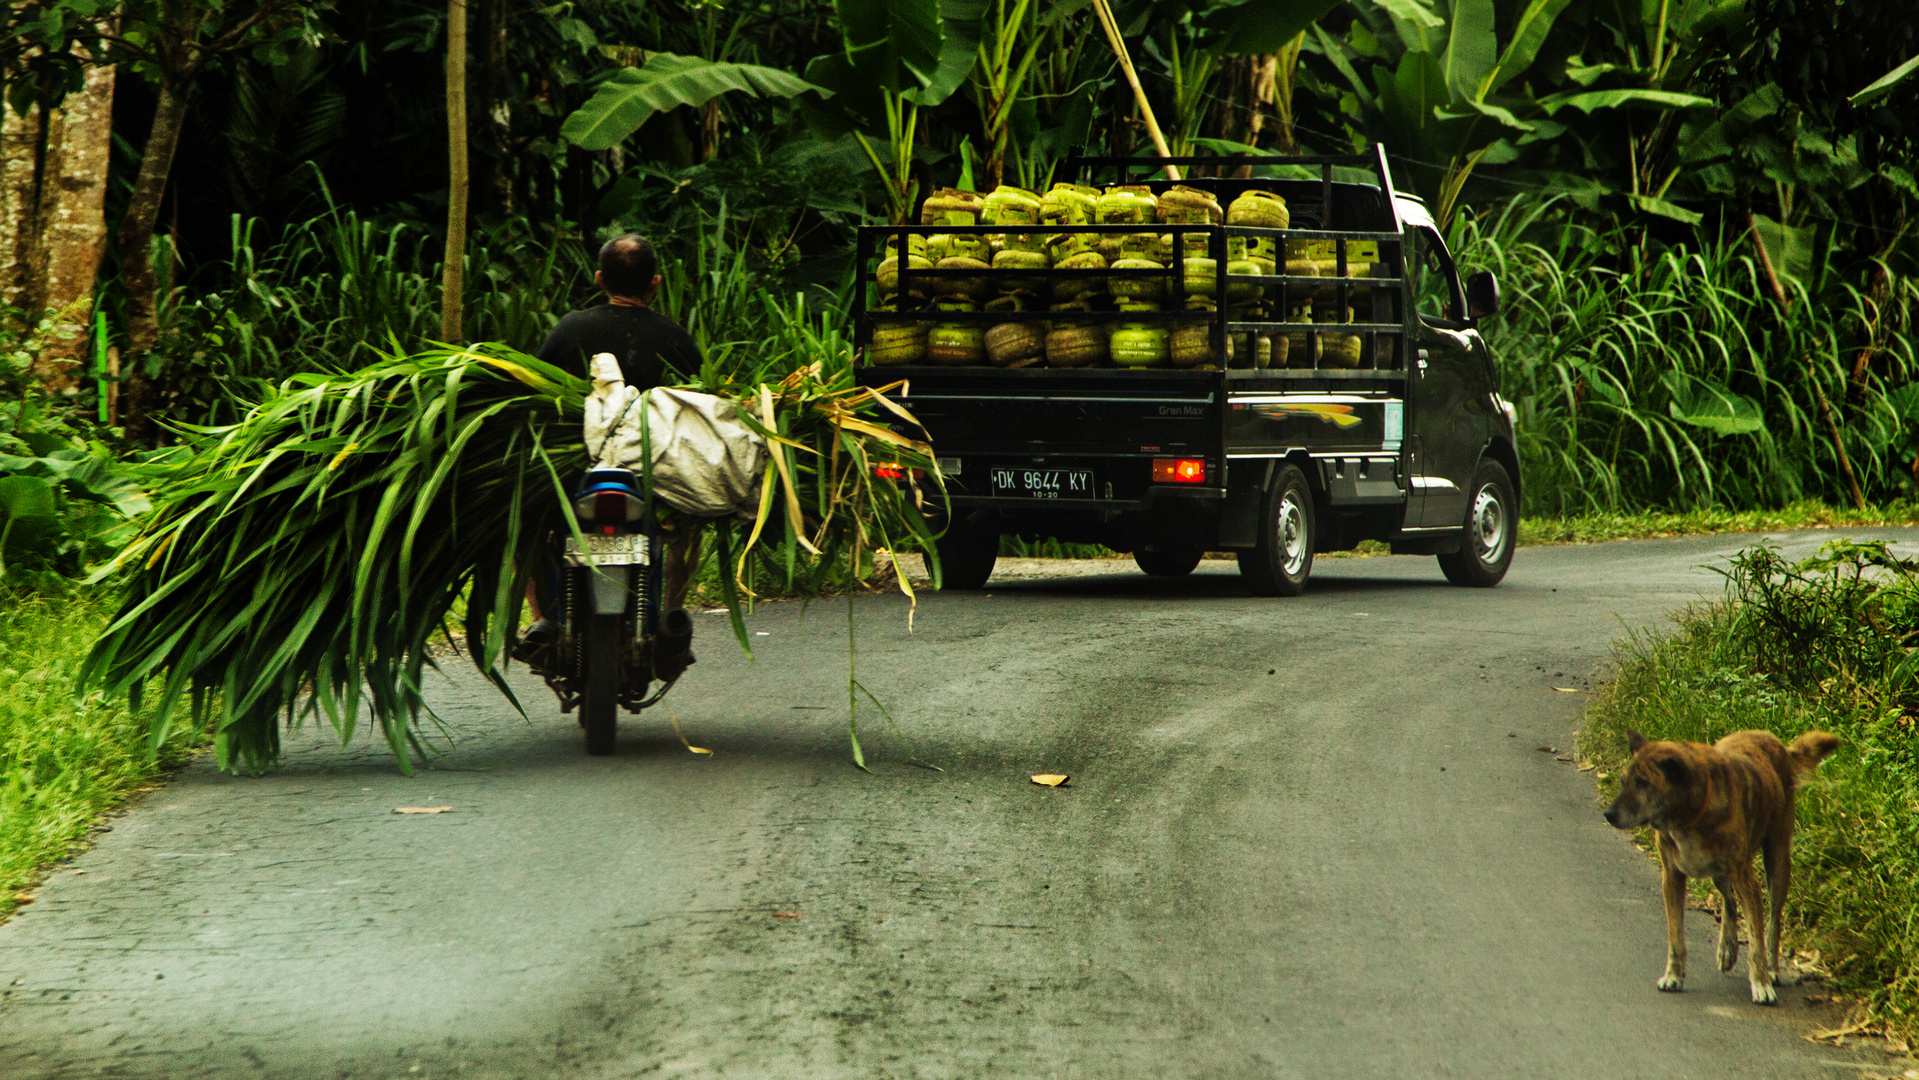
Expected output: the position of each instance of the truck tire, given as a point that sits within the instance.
(1282, 558)
(1168, 562)
(967, 553)
(1492, 524)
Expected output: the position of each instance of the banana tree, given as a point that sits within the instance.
(1446, 98)
(1196, 44)
(633, 95)
(899, 56)
(1061, 94)
(1000, 76)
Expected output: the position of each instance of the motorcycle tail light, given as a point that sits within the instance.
(609, 506)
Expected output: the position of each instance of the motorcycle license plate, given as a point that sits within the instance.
(628, 550)
(1043, 483)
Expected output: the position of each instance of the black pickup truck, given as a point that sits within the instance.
(1405, 441)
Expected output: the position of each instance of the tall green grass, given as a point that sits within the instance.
(1666, 378)
(62, 763)
(338, 291)
(1819, 644)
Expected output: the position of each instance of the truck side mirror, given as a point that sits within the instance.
(1482, 295)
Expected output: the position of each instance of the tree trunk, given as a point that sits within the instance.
(135, 249)
(19, 156)
(73, 223)
(453, 285)
(1260, 72)
(710, 130)
(492, 87)
(1878, 292)
(1225, 120)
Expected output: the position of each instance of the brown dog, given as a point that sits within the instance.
(1712, 807)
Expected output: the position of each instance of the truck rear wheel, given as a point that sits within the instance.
(1168, 562)
(1282, 558)
(967, 553)
(1492, 520)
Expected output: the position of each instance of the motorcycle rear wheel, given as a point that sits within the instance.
(600, 703)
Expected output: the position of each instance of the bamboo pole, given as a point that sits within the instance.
(1111, 26)
(453, 283)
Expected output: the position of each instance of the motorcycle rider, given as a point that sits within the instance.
(652, 350)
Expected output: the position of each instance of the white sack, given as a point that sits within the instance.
(706, 462)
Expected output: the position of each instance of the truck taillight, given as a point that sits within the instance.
(1179, 471)
(889, 471)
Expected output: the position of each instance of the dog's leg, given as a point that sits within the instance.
(1758, 970)
(1728, 924)
(1778, 854)
(1673, 884)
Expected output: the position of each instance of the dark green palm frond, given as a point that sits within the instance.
(301, 561)
(309, 553)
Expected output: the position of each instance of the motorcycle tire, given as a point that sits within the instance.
(600, 703)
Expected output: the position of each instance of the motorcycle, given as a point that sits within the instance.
(614, 641)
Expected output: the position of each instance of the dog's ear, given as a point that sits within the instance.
(1634, 741)
(1678, 773)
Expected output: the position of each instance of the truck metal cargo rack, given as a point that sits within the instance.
(1384, 353)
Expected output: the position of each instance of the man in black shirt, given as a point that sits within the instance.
(651, 347)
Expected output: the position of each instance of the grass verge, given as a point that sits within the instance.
(1649, 524)
(63, 763)
(1590, 528)
(1819, 644)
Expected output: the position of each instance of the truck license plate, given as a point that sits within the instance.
(1044, 483)
(625, 550)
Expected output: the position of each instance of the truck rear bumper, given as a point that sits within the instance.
(1155, 495)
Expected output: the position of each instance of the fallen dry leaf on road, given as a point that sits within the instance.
(788, 915)
(1567, 689)
(675, 721)
(1047, 779)
(421, 809)
(1837, 1035)
(1547, 749)
(25, 898)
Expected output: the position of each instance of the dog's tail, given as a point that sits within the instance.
(1808, 750)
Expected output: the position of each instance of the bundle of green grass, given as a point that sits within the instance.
(302, 561)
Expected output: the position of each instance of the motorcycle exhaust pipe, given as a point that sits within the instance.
(672, 645)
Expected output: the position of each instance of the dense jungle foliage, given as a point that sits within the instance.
(1699, 209)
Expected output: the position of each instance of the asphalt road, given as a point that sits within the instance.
(1304, 838)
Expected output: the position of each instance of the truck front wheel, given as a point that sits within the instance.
(1282, 558)
(1492, 520)
(967, 553)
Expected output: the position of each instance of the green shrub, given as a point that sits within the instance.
(67, 498)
